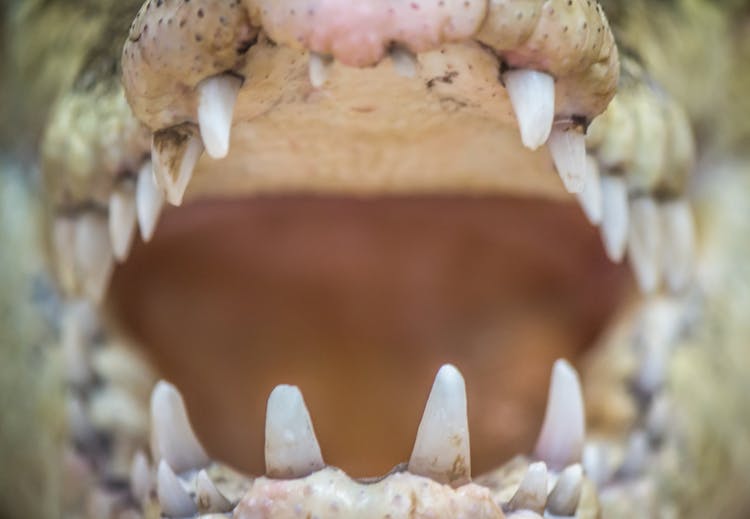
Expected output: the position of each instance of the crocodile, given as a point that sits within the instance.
(535, 207)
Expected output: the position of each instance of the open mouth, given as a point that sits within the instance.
(363, 194)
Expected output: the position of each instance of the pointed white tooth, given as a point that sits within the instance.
(567, 145)
(292, 450)
(94, 258)
(565, 496)
(174, 499)
(441, 450)
(636, 455)
(678, 228)
(615, 217)
(141, 480)
(560, 442)
(404, 62)
(172, 437)
(532, 492)
(319, 68)
(591, 196)
(63, 236)
(210, 500)
(174, 160)
(532, 95)
(216, 98)
(122, 218)
(644, 243)
(149, 201)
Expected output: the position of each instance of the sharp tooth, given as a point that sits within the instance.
(678, 230)
(644, 242)
(532, 492)
(319, 67)
(94, 259)
(614, 216)
(149, 201)
(292, 449)
(561, 440)
(567, 145)
(565, 496)
(591, 196)
(636, 455)
(174, 500)
(441, 450)
(404, 62)
(122, 217)
(532, 95)
(140, 477)
(174, 154)
(172, 437)
(217, 96)
(210, 500)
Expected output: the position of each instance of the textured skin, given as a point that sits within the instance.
(707, 380)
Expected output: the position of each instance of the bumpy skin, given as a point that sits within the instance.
(706, 379)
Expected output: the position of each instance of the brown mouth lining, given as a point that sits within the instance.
(359, 301)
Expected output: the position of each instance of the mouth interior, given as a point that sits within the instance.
(358, 302)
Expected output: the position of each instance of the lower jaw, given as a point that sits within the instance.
(359, 301)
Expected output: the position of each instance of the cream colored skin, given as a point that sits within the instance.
(705, 380)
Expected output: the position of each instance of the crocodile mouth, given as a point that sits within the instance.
(358, 201)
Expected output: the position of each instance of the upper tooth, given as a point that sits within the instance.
(122, 217)
(532, 95)
(644, 243)
(441, 450)
(172, 437)
(404, 61)
(149, 201)
(532, 492)
(319, 67)
(292, 449)
(210, 500)
(614, 216)
(175, 501)
(174, 159)
(678, 232)
(140, 477)
(560, 442)
(591, 196)
(217, 96)
(564, 498)
(567, 145)
(94, 257)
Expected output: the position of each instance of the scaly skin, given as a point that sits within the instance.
(705, 385)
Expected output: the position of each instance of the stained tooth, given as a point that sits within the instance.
(591, 196)
(567, 145)
(565, 496)
(615, 218)
(292, 449)
(210, 500)
(217, 96)
(560, 442)
(532, 492)
(173, 498)
(319, 68)
(404, 62)
(94, 258)
(678, 230)
(441, 450)
(140, 477)
(644, 242)
(532, 95)
(172, 437)
(122, 218)
(149, 202)
(174, 158)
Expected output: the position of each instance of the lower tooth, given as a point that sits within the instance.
(567, 145)
(614, 216)
(122, 218)
(64, 243)
(532, 493)
(94, 258)
(149, 201)
(591, 196)
(319, 68)
(173, 498)
(210, 500)
(140, 477)
(441, 450)
(678, 230)
(404, 62)
(565, 496)
(644, 242)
